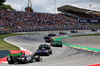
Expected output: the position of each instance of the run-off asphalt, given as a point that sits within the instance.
(65, 56)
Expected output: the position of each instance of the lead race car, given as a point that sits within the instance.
(22, 58)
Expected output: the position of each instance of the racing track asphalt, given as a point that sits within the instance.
(65, 56)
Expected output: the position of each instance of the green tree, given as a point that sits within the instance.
(2, 1)
(5, 7)
(27, 9)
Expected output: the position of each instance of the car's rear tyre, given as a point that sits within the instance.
(47, 54)
(60, 45)
(24, 61)
(10, 61)
(36, 53)
(50, 52)
(37, 59)
(51, 44)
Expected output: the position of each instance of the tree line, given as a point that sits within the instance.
(5, 7)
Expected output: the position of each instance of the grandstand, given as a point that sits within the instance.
(32, 21)
(79, 12)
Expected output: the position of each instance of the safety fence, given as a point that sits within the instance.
(49, 29)
(42, 29)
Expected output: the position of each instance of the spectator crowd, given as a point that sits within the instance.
(30, 20)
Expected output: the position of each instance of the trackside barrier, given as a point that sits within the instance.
(49, 29)
(4, 32)
(44, 29)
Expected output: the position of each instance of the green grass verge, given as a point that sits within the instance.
(7, 46)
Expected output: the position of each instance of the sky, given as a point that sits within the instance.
(50, 6)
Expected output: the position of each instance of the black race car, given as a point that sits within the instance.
(48, 40)
(47, 37)
(73, 31)
(22, 58)
(93, 30)
(42, 52)
(47, 47)
(56, 44)
(62, 32)
(51, 34)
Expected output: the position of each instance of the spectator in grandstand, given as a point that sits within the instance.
(30, 20)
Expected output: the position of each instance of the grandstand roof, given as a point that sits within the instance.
(68, 7)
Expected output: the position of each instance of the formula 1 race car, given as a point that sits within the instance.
(48, 40)
(51, 34)
(73, 31)
(62, 32)
(47, 37)
(22, 58)
(56, 44)
(47, 47)
(93, 30)
(42, 52)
